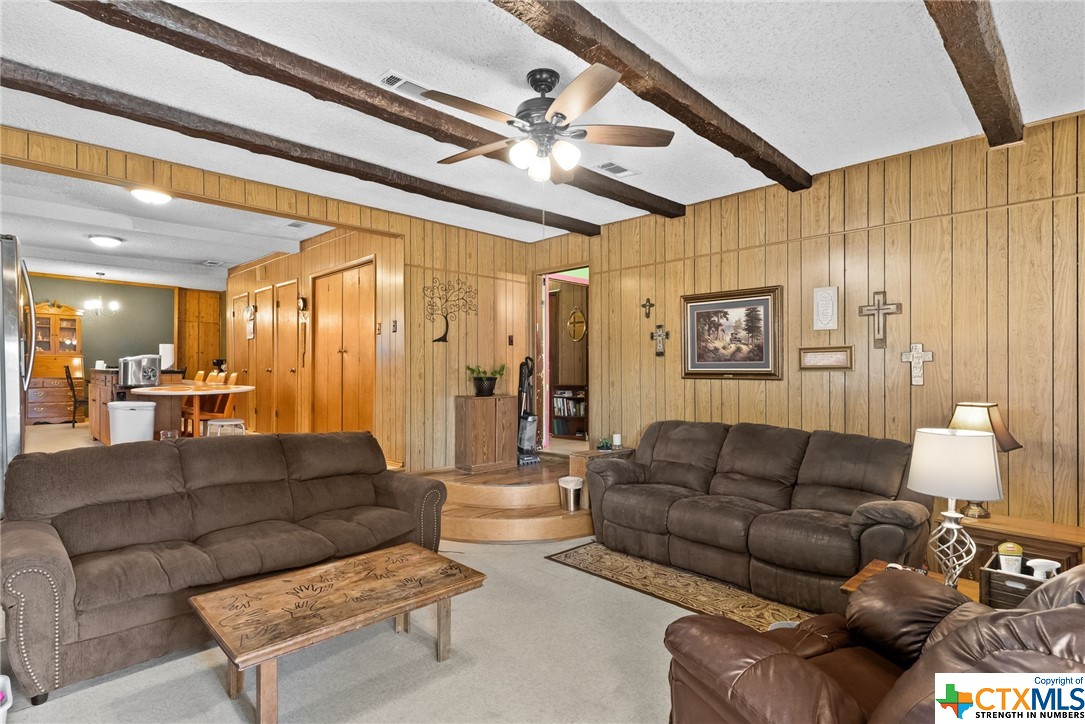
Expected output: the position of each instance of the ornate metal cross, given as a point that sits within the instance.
(659, 335)
(916, 356)
(647, 307)
(879, 310)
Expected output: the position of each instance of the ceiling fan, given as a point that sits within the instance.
(545, 149)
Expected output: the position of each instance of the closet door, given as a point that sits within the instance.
(328, 353)
(359, 346)
(286, 357)
(263, 374)
(238, 359)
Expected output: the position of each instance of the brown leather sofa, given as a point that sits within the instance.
(102, 547)
(788, 514)
(878, 663)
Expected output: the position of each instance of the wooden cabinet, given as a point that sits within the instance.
(1062, 543)
(485, 432)
(344, 349)
(58, 331)
(58, 343)
(101, 391)
(199, 321)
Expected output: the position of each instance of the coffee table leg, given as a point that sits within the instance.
(235, 680)
(444, 629)
(267, 692)
(403, 622)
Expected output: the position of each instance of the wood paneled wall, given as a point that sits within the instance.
(983, 248)
(199, 320)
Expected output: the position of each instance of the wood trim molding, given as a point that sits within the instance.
(206, 38)
(82, 94)
(571, 26)
(971, 40)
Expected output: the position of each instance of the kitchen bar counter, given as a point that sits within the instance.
(103, 389)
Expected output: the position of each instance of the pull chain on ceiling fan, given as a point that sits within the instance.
(546, 150)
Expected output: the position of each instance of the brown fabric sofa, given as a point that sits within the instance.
(878, 663)
(102, 547)
(786, 513)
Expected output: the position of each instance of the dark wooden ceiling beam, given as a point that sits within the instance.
(571, 26)
(72, 91)
(202, 36)
(968, 31)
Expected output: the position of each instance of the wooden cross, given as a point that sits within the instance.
(917, 357)
(647, 307)
(659, 335)
(879, 310)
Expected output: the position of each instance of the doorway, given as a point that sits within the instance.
(344, 349)
(565, 393)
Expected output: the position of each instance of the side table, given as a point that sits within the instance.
(1062, 543)
(966, 586)
(578, 467)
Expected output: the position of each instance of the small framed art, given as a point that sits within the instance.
(825, 358)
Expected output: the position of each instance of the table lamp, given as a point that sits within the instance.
(984, 417)
(954, 464)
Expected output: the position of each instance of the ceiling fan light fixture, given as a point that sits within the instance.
(522, 153)
(539, 170)
(566, 154)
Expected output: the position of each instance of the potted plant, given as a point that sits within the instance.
(485, 379)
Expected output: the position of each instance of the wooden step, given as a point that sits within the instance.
(480, 524)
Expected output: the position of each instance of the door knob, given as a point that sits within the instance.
(267, 370)
(292, 370)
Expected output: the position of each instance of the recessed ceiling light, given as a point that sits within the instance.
(108, 241)
(150, 196)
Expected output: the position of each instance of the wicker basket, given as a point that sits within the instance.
(1002, 589)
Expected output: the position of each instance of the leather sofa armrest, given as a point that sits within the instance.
(422, 498)
(38, 598)
(813, 637)
(894, 612)
(604, 472)
(902, 513)
(743, 670)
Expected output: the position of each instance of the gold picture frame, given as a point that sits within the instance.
(825, 358)
(732, 335)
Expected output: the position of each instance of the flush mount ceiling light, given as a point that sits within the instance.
(106, 241)
(150, 196)
(545, 150)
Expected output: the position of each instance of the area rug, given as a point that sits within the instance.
(682, 588)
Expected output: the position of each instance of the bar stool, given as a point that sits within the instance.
(219, 427)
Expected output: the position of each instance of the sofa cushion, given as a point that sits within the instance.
(816, 541)
(360, 529)
(271, 545)
(841, 472)
(331, 471)
(760, 462)
(682, 453)
(235, 480)
(716, 520)
(108, 577)
(108, 526)
(642, 506)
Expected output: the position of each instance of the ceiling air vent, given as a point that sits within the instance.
(211, 262)
(397, 82)
(297, 224)
(616, 170)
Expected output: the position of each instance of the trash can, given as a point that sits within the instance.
(569, 488)
(130, 421)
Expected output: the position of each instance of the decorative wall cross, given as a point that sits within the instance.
(879, 310)
(917, 357)
(647, 307)
(659, 335)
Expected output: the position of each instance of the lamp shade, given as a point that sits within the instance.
(955, 464)
(984, 417)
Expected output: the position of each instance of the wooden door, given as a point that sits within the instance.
(359, 346)
(239, 357)
(327, 353)
(263, 372)
(286, 357)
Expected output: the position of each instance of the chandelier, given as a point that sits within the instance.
(99, 308)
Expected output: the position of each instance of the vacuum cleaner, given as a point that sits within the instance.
(529, 421)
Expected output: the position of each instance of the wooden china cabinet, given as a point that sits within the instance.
(58, 341)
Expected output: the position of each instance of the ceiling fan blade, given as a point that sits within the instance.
(480, 150)
(626, 135)
(558, 175)
(585, 91)
(470, 106)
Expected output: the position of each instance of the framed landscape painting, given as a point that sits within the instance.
(732, 335)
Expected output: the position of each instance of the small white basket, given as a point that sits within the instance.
(5, 686)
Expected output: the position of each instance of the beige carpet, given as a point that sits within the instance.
(688, 590)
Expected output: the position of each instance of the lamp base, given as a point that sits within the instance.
(975, 509)
(953, 548)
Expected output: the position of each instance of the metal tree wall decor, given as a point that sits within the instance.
(449, 300)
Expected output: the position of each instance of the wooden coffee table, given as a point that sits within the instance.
(257, 622)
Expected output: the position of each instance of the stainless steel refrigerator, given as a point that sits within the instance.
(17, 353)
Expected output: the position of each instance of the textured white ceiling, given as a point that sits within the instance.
(829, 83)
(53, 216)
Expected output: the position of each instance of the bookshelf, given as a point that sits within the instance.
(569, 412)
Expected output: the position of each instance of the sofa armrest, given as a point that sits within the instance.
(894, 612)
(38, 598)
(903, 513)
(603, 473)
(741, 670)
(420, 497)
(815, 636)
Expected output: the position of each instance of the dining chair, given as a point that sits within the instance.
(77, 401)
